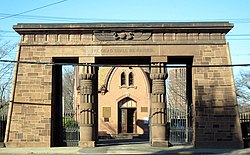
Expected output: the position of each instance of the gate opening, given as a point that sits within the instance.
(62, 112)
(179, 103)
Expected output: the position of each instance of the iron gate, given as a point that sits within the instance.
(3, 121)
(71, 130)
(245, 128)
(179, 131)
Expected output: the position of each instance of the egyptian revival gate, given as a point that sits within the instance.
(32, 113)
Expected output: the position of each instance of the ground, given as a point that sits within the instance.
(125, 146)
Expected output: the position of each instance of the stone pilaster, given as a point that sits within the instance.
(87, 107)
(158, 117)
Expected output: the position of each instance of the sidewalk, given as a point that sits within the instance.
(124, 147)
(54, 150)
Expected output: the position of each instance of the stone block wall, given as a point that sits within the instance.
(216, 121)
(31, 113)
(30, 126)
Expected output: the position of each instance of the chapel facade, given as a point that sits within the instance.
(123, 100)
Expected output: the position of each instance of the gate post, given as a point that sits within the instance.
(158, 119)
(87, 107)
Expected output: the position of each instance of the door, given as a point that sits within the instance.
(131, 125)
(128, 120)
(127, 116)
(124, 123)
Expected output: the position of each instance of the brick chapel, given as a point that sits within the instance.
(123, 100)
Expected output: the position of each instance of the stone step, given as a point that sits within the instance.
(125, 136)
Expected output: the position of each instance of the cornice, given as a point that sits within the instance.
(45, 28)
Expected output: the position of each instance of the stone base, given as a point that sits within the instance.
(2, 144)
(160, 144)
(27, 144)
(87, 144)
(224, 145)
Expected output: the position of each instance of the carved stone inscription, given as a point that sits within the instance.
(98, 51)
(126, 50)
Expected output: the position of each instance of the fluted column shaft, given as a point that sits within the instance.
(158, 119)
(87, 107)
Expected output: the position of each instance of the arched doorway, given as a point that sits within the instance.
(127, 116)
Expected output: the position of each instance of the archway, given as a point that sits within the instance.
(127, 116)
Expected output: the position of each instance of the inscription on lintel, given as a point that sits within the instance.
(126, 50)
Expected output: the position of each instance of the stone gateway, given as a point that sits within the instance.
(34, 118)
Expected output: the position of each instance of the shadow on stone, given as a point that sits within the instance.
(112, 142)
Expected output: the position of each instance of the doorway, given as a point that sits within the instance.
(127, 116)
(128, 119)
(59, 106)
(179, 103)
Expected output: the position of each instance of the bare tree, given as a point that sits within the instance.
(243, 87)
(179, 107)
(68, 89)
(177, 89)
(6, 73)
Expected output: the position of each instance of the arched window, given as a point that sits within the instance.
(123, 79)
(131, 79)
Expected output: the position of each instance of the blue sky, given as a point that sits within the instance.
(85, 11)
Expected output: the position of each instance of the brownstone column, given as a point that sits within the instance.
(158, 119)
(87, 107)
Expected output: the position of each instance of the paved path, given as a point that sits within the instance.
(124, 147)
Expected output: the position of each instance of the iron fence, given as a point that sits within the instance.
(3, 121)
(179, 132)
(71, 130)
(245, 128)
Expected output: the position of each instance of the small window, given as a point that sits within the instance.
(106, 119)
(123, 79)
(131, 79)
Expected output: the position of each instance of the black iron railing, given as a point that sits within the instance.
(3, 121)
(71, 130)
